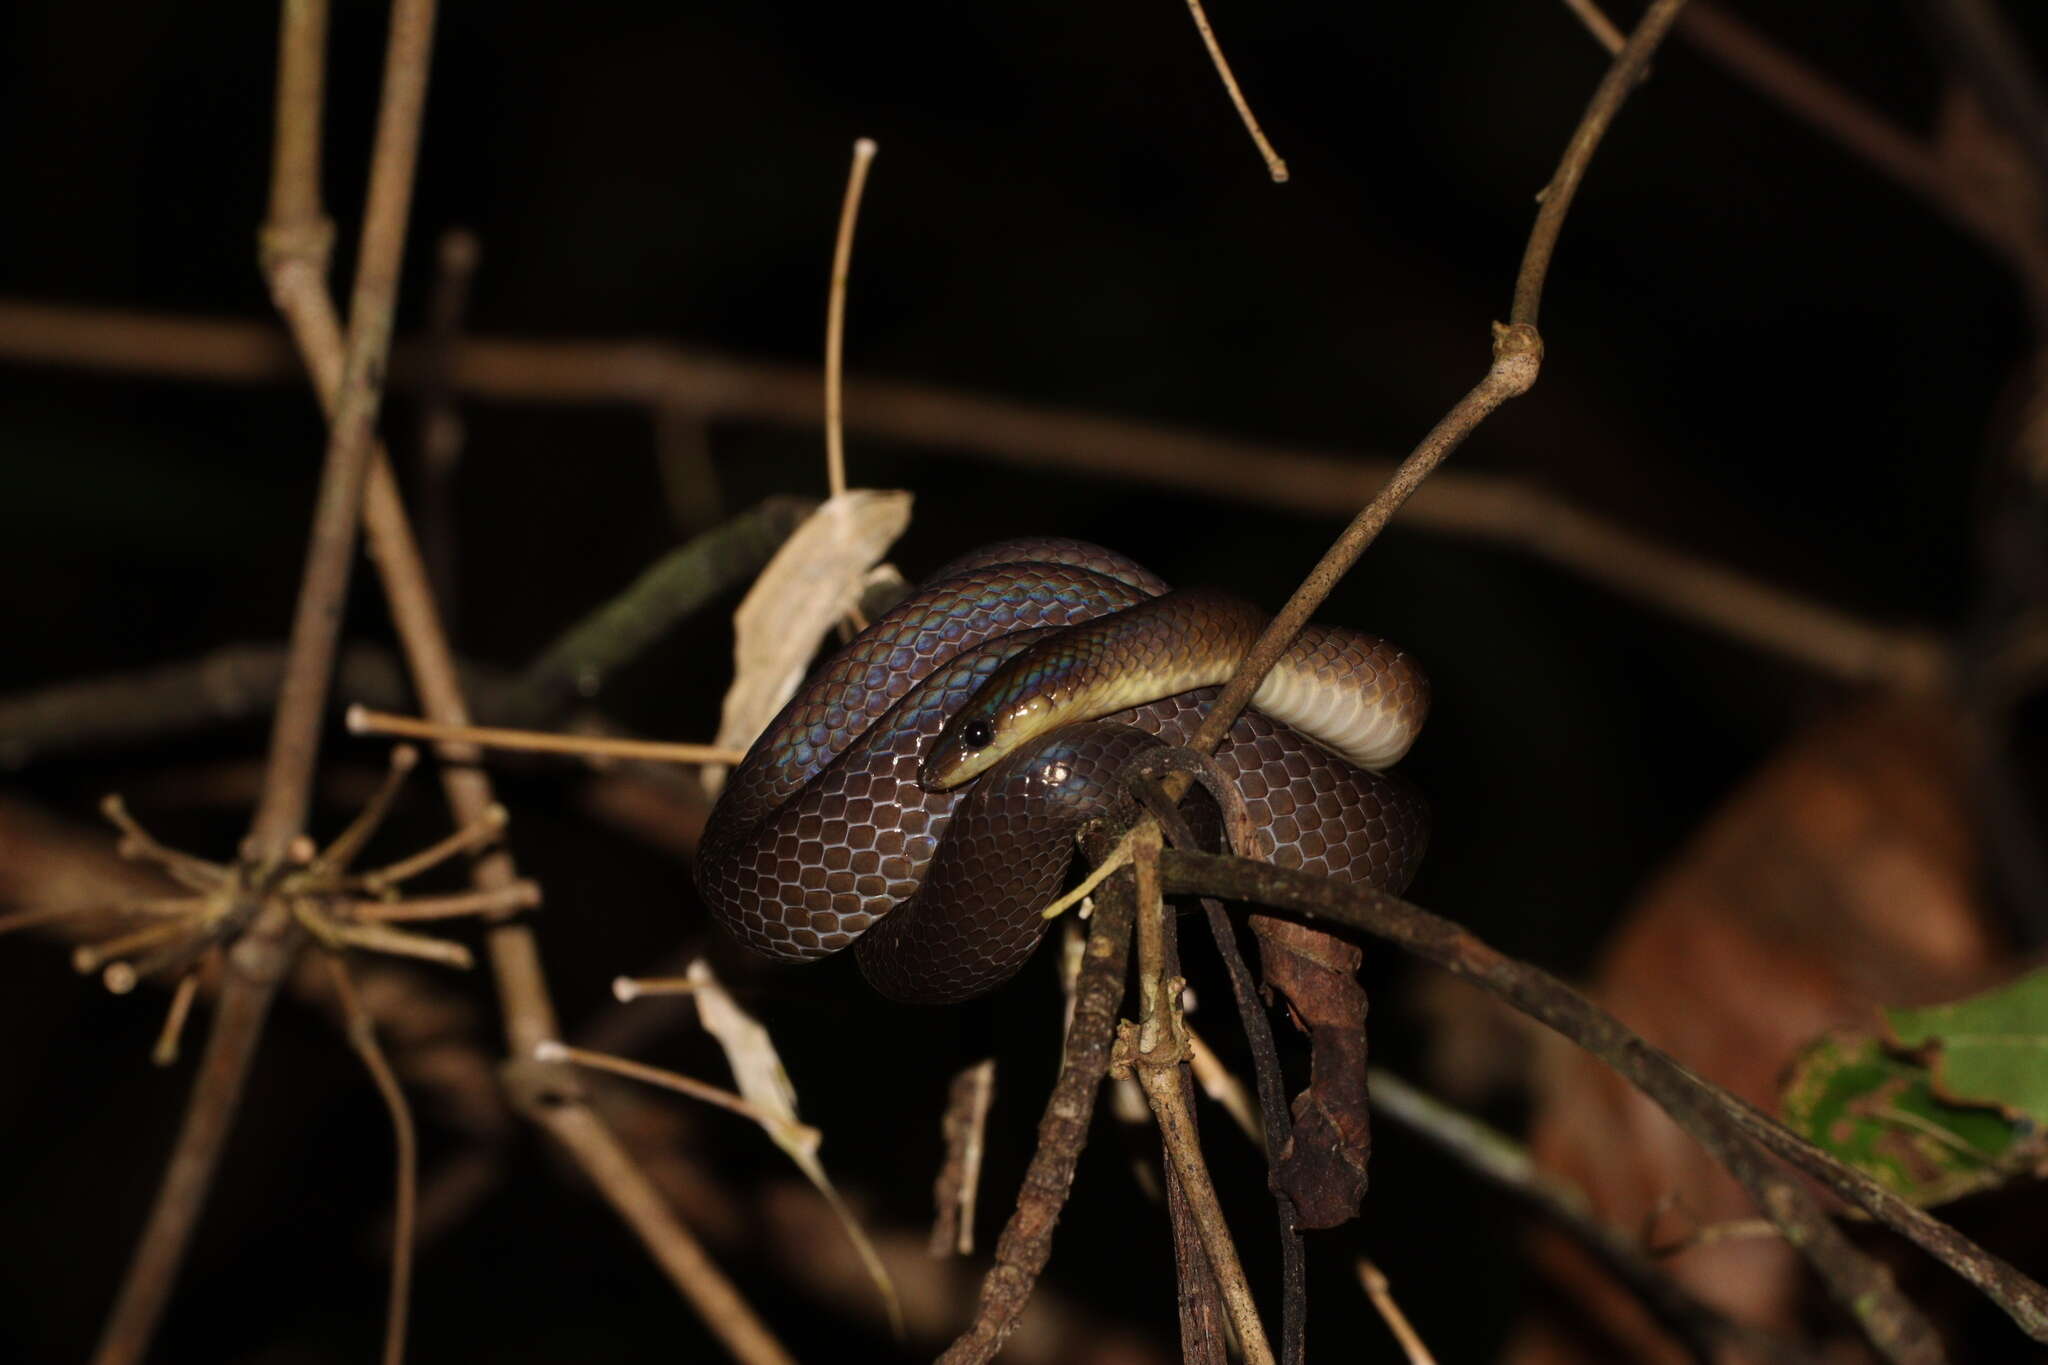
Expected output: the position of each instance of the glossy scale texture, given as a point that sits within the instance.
(825, 828)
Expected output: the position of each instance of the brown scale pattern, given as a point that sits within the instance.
(825, 827)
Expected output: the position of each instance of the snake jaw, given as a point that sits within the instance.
(981, 735)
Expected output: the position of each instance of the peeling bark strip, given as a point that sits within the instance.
(1322, 1165)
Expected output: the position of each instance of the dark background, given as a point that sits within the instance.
(1757, 350)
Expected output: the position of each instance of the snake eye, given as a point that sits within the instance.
(979, 734)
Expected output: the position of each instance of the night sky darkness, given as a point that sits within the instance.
(1757, 350)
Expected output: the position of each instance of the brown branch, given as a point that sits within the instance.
(835, 319)
(362, 1036)
(1156, 1051)
(1623, 74)
(255, 967)
(544, 1094)
(1305, 482)
(1026, 1241)
(302, 700)
(1163, 1088)
(1736, 1135)
(956, 1189)
(257, 964)
(1275, 167)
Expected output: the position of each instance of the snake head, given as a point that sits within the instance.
(994, 723)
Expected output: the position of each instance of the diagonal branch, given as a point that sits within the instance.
(257, 964)
(1737, 1134)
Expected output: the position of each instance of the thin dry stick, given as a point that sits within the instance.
(1156, 1051)
(362, 1036)
(1026, 1241)
(166, 1050)
(1517, 357)
(1734, 1134)
(497, 903)
(1306, 482)
(835, 315)
(363, 721)
(521, 981)
(958, 1184)
(528, 1012)
(1162, 1086)
(1608, 36)
(552, 1051)
(258, 963)
(1275, 167)
(626, 989)
(1382, 1296)
(302, 701)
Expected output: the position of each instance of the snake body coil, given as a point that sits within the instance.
(829, 825)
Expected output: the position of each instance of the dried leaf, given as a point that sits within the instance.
(813, 581)
(1842, 876)
(763, 1081)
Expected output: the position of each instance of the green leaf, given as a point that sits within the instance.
(1880, 1113)
(1990, 1049)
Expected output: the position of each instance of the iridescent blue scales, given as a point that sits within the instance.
(825, 829)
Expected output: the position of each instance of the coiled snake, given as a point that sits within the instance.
(846, 822)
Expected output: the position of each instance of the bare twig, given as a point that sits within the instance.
(1382, 1296)
(1162, 1085)
(495, 903)
(1306, 482)
(955, 1191)
(545, 1094)
(259, 962)
(1598, 24)
(835, 319)
(1736, 1135)
(1155, 1052)
(552, 1051)
(1026, 1240)
(363, 721)
(294, 746)
(165, 1053)
(362, 1036)
(1275, 167)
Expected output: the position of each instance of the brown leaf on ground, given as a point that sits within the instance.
(1840, 877)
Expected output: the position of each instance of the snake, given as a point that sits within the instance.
(917, 799)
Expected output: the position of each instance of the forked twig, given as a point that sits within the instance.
(257, 964)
